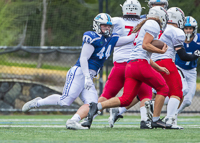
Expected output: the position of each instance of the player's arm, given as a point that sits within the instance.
(86, 53)
(125, 40)
(158, 68)
(146, 45)
(184, 56)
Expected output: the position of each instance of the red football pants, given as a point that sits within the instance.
(139, 71)
(116, 81)
(173, 80)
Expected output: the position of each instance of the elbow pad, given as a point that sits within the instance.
(184, 56)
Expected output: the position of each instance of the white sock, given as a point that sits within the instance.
(184, 104)
(156, 119)
(172, 107)
(143, 113)
(99, 106)
(76, 118)
(122, 110)
(166, 100)
(50, 100)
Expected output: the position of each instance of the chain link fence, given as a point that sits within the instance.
(42, 41)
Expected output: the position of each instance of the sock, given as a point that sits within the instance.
(99, 106)
(122, 110)
(156, 119)
(76, 118)
(143, 113)
(172, 107)
(166, 100)
(50, 100)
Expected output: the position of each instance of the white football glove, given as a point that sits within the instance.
(88, 82)
(197, 53)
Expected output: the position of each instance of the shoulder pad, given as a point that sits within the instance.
(89, 37)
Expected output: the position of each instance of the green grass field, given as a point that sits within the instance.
(51, 128)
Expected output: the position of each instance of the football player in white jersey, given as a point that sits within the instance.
(174, 37)
(97, 47)
(124, 26)
(139, 70)
(116, 113)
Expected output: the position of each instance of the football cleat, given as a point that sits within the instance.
(145, 124)
(73, 125)
(114, 116)
(160, 124)
(93, 110)
(173, 124)
(30, 105)
(149, 105)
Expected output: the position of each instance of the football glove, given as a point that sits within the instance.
(88, 82)
(197, 53)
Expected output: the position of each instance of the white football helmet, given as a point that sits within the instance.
(159, 2)
(131, 7)
(102, 18)
(160, 13)
(191, 22)
(177, 16)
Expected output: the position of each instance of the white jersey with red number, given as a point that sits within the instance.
(173, 37)
(123, 27)
(153, 28)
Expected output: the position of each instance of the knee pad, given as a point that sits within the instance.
(124, 101)
(163, 90)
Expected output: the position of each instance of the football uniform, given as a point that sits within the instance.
(173, 37)
(189, 68)
(75, 78)
(138, 70)
(121, 55)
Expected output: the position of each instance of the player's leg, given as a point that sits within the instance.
(73, 87)
(191, 77)
(175, 87)
(114, 83)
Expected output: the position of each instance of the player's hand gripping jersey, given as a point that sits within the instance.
(103, 48)
(190, 48)
(123, 27)
(173, 37)
(150, 26)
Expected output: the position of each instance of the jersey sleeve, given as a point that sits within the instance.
(118, 25)
(152, 27)
(178, 39)
(90, 37)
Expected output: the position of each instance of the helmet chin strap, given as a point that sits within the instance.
(188, 36)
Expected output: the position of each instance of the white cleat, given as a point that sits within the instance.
(114, 116)
(73, 125)
(171, 121)
(30, 105)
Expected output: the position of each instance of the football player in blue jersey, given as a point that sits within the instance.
(192, 43)
(96, 48)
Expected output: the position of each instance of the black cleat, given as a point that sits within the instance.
(93, 110)
(160, 124)
(145, 125)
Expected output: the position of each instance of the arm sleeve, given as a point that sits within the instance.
(86, 53)
(184, 56)
(125, 40)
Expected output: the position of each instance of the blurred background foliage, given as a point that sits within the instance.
(67, 20)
